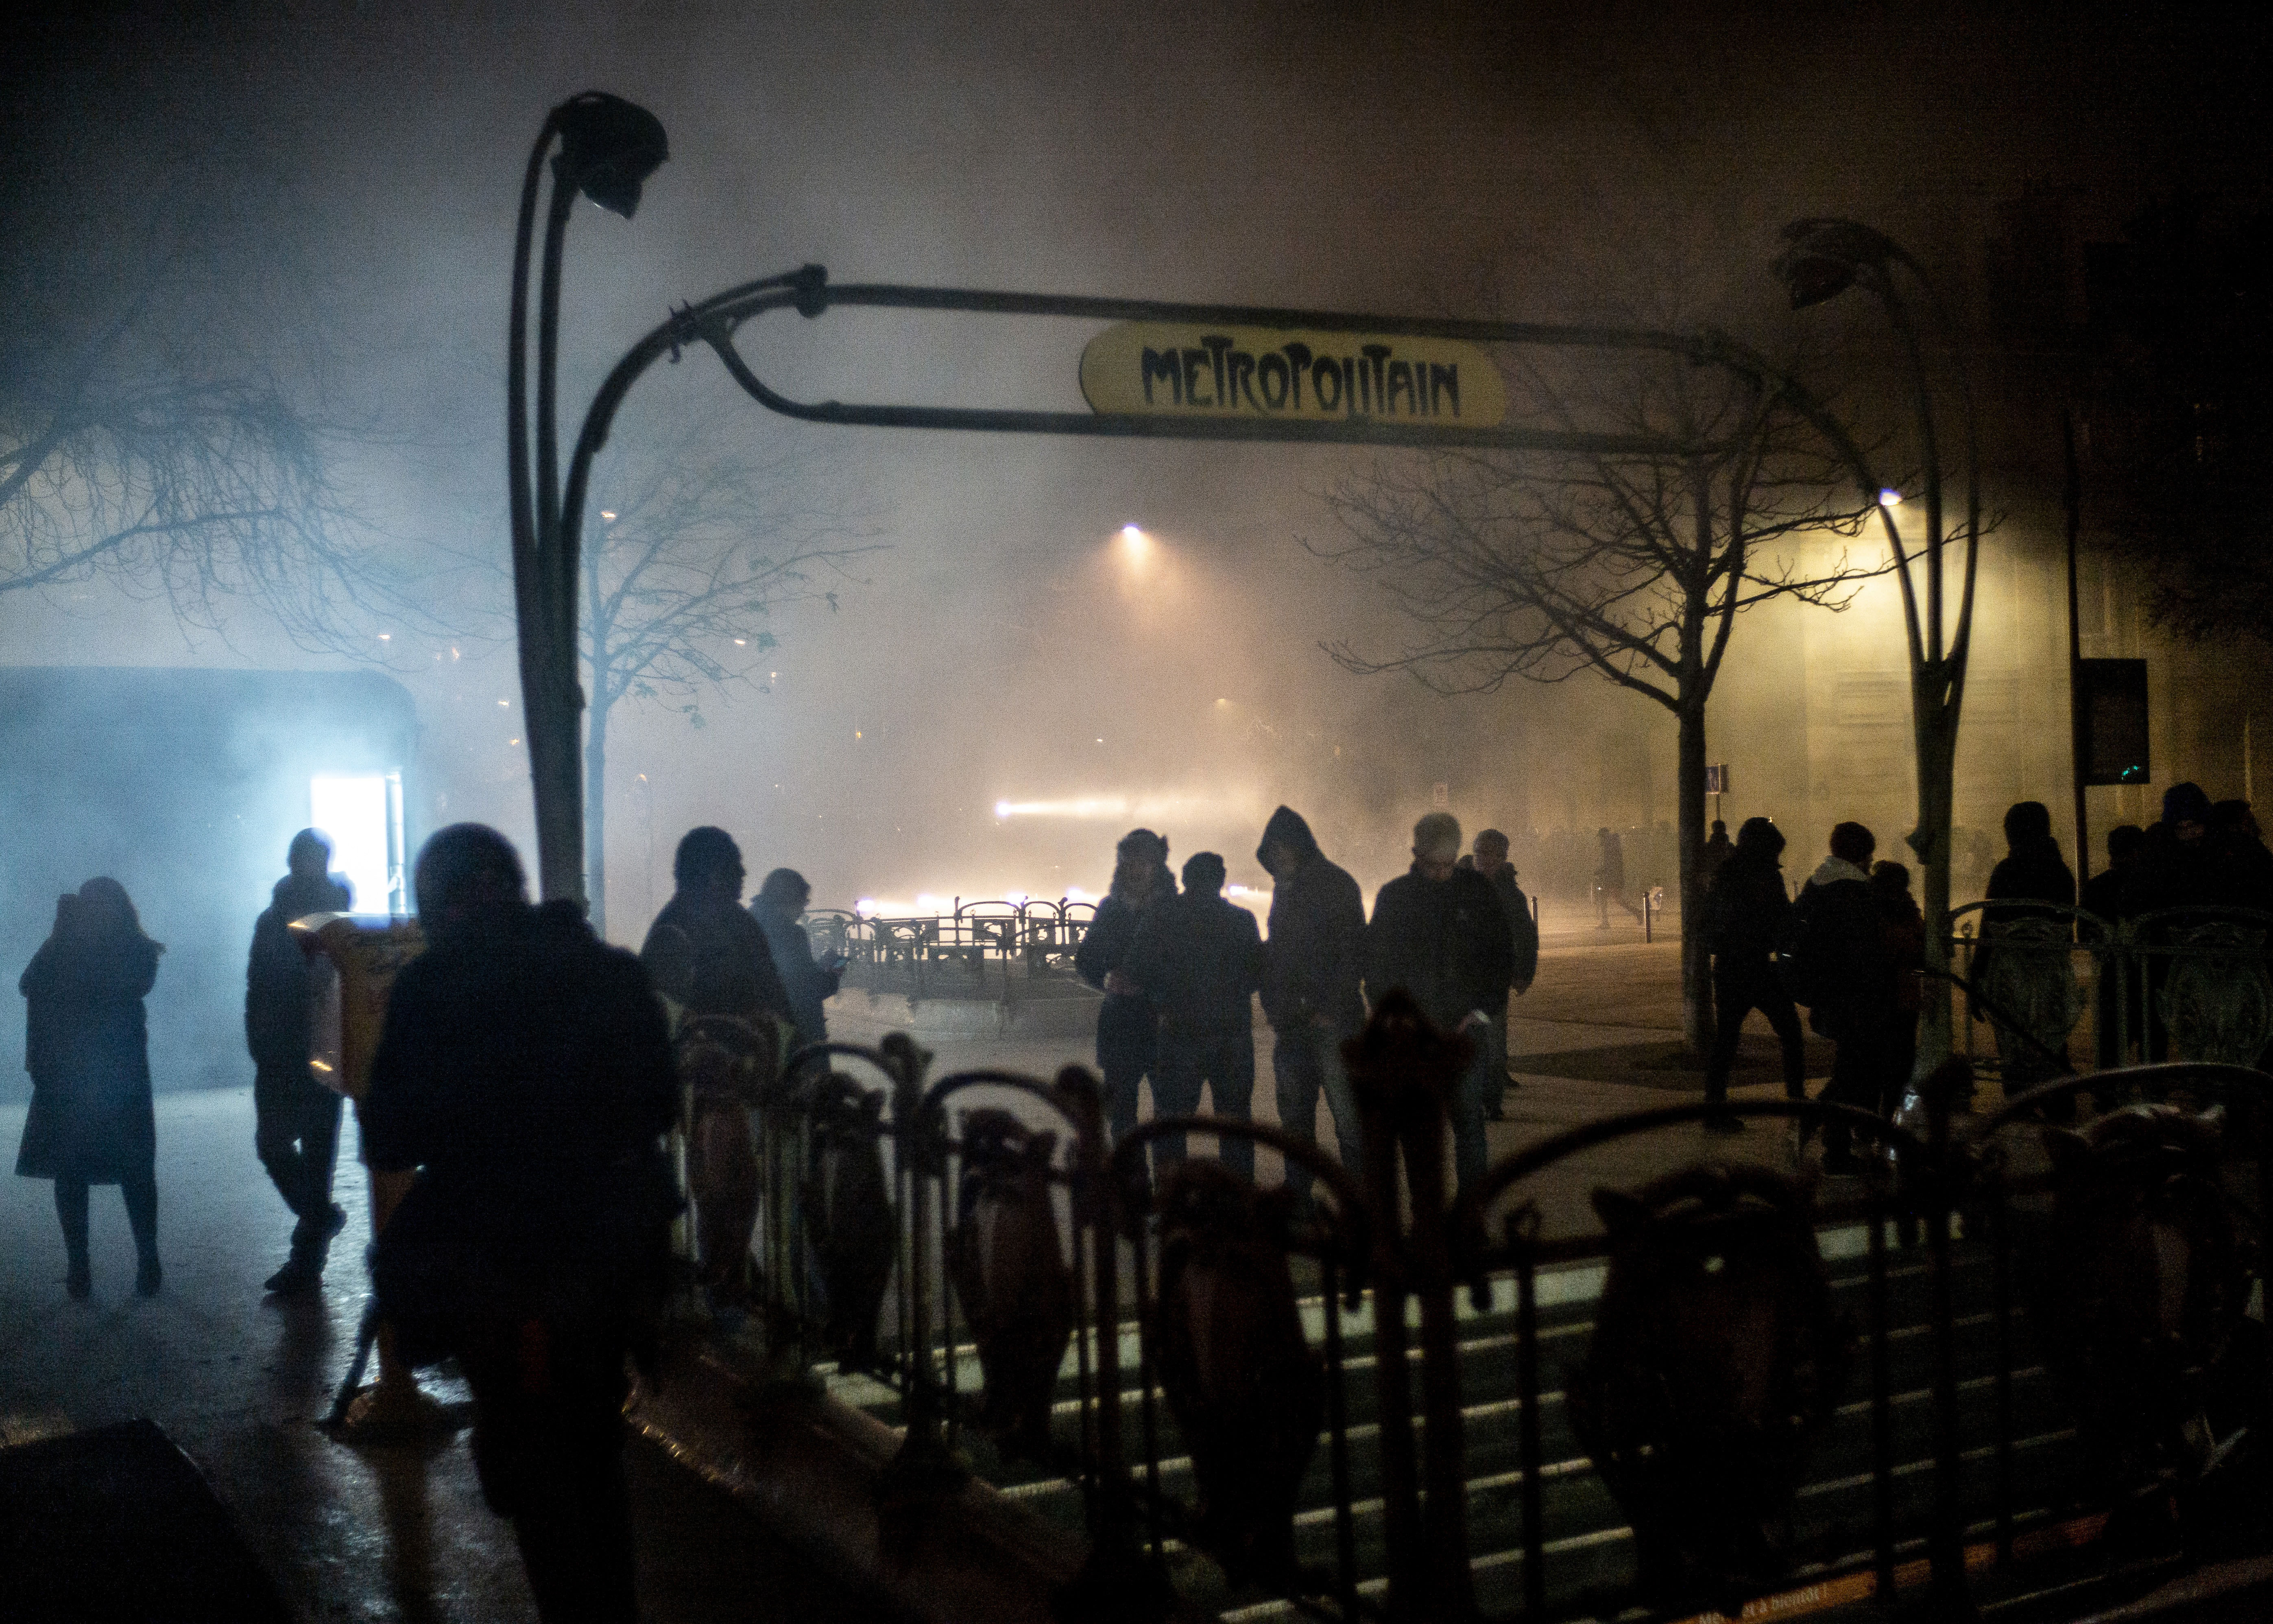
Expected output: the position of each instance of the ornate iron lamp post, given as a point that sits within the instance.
(1825, 259)
(608, 149)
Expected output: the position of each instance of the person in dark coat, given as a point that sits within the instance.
(1902, 931)
(780, 903)
(2238, 849)
(1610, 876)
(1488, 858)
(1716, 850)
(295, 1119)
(87, 1044)
(1199, 959)
(2106, 897)
(1439, 933)
(1851, 982)
(1746, 912)
(1311, 972)
(525, 1070)
(711, 963)
(2179, 868)
(2031, 870)
(1128, 1025)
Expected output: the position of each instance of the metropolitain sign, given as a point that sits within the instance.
(1163, 368)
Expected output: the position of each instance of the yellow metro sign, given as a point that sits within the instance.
(1168, 368)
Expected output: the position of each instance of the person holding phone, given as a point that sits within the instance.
(779, 905)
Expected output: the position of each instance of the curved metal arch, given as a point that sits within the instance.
(2168, 1073)
(2202, 913)
(1352, 1226)
(715, 320)
(1504, 1174)
(931, 1111)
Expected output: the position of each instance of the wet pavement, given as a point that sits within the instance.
(240, 1380)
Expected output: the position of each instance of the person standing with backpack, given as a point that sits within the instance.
(1746, 913)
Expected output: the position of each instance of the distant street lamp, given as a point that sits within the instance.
(608, 149)
(1825, 259)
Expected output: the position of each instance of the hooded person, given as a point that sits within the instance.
(296, 1129)
(524, 1069)
(87, 1045)
(1311, 967)
(1839, 955)
(1199, 959)
(1746, 913)
(1439, 933)
(1128, 1025)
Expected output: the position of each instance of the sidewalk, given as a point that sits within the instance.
(239, 1381)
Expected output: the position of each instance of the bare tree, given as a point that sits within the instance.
(1633, 568)
(698, 545)
(167, 428)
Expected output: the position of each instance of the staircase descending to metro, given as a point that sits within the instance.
(1589, 1549)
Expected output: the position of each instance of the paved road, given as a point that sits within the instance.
(239, 1381)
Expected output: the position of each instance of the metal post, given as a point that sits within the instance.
(1527, 1377)
(2078, 724)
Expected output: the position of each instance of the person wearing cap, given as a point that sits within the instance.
(1199, 959)
(1439, 933)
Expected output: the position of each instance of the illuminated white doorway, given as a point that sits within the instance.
(363, 815)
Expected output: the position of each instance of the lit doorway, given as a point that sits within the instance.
(363, 815)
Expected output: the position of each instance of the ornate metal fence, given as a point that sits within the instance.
(1979, 1371)
(2192, 983)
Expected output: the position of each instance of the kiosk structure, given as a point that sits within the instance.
(358, 957)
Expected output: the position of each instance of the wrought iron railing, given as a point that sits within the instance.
(935, 953)
(2188, 983)
(1965, 1375)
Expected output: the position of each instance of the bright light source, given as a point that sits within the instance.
(1134, 544)
(504, 705)
(386, 636)
(741, 642)
(353, 812)
(1128, 531)
(1002, 808)
(1890, 497)
(610, 517)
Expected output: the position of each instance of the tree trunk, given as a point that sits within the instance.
(596, 819)
(1935, 721)
(1689, 827)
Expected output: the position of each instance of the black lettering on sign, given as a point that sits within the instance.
(1375, 354)
(1354, 398)
(1323, 372)
(1444, 384)
(1243, 380)
(1160, 365)
(1400, 377)
(1195, 362)
(1298, 362)
(1271, 368)
(1215, 346)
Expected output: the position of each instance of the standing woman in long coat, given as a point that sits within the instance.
(87, 1047)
